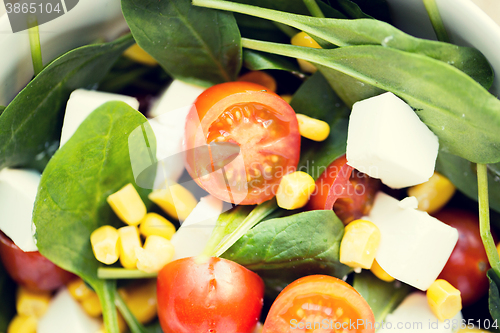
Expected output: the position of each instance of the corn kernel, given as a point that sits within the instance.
(359, 244)
(154, 224)
(176, 201)
(287, 98)
(313, 129)
(444, 299)
(472, 330)
(91, 305)
(141, 300)
(260, 77)
(104, 242)
(380, 273)
(157, 252)
(128, 205)
(22, 324)
(31, 303)
(128, 242)
(78, 289)
(303, 39)
(434, 194)
(136, 53)
(294, 190)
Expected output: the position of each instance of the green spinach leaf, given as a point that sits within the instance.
(7, 297)
(2, 109)
(494, 295)
(192, 44)
(71, 200)
(383, 297)
(257, 61)
(33, 120)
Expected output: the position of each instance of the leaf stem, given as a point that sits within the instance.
(122, 273)
(313, 8)
(132, 322)
(437, 22)
(106, 292)
(484, 218)
(36, 51)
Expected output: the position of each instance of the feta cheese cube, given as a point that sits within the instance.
(387, 140)
(178, 95)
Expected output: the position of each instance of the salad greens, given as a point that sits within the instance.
(32, 122)
(494, 294)
(7, 295)
(437, 22)
(36, 51)
(257, 61)
(130, 319)
(71, 201)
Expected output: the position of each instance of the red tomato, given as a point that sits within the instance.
(209, 295)
(320, 300)
(468, 263)
(349, 192)
(260, 123)
(31, 269)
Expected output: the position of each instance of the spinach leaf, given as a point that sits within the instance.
(383, 297)
(289, 247)
(378, 9)
(2, 108)
(494, 294)
(463, 175)
(71, 200)
(293, 6)
(257, 61)
(370, 32)
(457, 109)
(196, 45)
(349, 8)
(33, 120)
(7, 297)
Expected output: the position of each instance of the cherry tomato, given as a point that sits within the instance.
(31, 269)
(260, 123)
(321, 299)
(209, 295)
(349, 192)
(466, 268)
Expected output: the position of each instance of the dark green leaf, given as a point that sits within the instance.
(7, 299)
(2, 108)
(377, 9)
(463, 114)
(383, 297)
(71, 201)
(293, 6)
(193, 44)
(494, 295)
(349, 8)
(257, 61)
(33, 120)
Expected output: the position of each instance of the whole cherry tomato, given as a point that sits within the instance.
(348, 192)
(31, 269)
(467, 266)
(319, 303)
(256, 120)
(208, 295)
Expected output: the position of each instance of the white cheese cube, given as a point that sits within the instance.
(192, 237)
(18, 189)
(387, 140)
(415, 315)
(81, 103)
(414, 246)
(178, 95)
(67, 315)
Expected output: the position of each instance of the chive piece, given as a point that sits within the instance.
(107, 300)
(133, 324)
(313, 8)
(437, 22)
(36, 51)
(123, 273)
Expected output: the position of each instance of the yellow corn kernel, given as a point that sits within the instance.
(78, 289)
(129, 240)
(472, 330)
(175, 200)
(136, 53)
(154, 224)
(287, 98)
(380, 273)
(498, 249)
(359, 244)
(260, 77)
(22, 324)
(30, 303)
(434, 194)
(141, 300)
(128, 205)
(303, 39)
(294, 190)
(104, 242)
(157, 252)
(313, 129)
(92, 305)
(444, 299)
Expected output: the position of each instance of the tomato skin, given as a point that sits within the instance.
(209, 295)
(256, 140)
(467, 266)
(333, 293)
(31, 269)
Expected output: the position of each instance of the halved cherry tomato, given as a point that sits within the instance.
(264, 127)
(31, 269)
(319, 303)
(467, 266)
(348, 192)
(209, 295)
